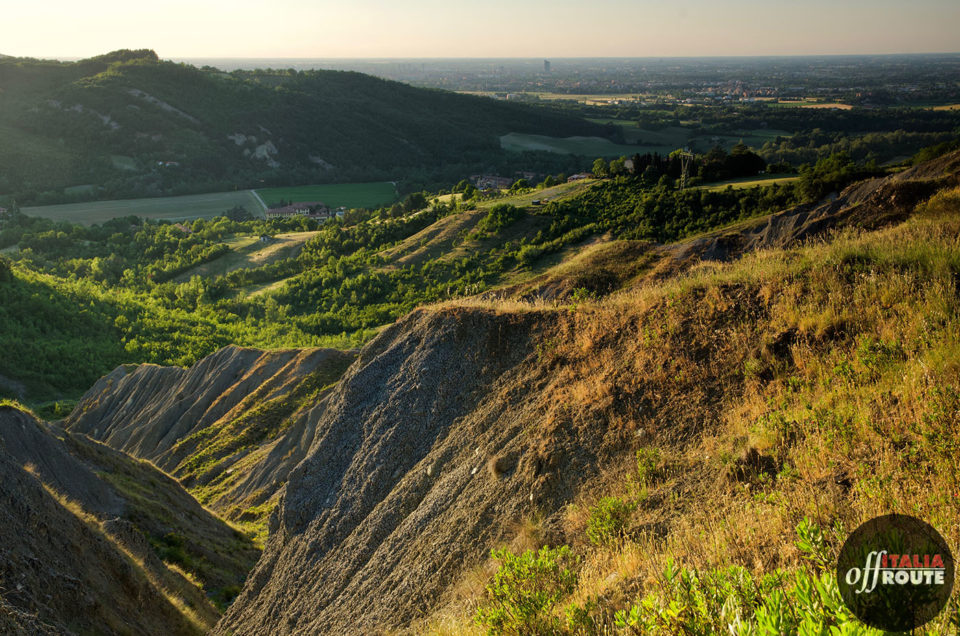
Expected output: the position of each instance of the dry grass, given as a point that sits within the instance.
(837, 361)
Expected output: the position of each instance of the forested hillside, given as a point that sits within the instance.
(127, 124)
(77, 301)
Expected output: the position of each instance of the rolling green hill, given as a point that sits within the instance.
(128, 124)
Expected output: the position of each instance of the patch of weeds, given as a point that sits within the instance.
(608, 520)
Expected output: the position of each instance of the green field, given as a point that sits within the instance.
(674, 136)
(586, 146)
(639, 140)
(753, 138)
(749, 182)
(194, 206)
(348, 195)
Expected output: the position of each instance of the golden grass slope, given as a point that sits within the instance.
(821, 381)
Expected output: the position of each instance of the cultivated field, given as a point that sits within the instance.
(639, 140)
(348, 195)
(674, 136)
(810, 103)
(585, 146)
(194, 206)
(583, 98)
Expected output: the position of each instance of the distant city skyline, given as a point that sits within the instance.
(497, 28)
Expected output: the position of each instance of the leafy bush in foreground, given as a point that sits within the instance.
(524, 590)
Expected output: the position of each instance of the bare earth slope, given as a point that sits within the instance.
(74, 551)
(230, 428)
(460, 422)
(395, 495)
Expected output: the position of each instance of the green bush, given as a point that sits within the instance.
(525, 589)
(608, 520)
(648, 461)
(499, 217)
(6, 273)
(734, 601)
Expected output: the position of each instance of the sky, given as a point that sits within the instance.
(492, 28)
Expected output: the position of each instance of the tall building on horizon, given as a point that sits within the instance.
(546, 66)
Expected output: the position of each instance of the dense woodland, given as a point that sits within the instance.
(98, 128)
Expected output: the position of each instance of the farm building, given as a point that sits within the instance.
(491, 182)
(312, 209)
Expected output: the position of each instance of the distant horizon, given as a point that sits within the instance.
(498, 29)
(533, 58)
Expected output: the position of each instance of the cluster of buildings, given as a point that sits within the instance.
(491, 182)
(308, 209)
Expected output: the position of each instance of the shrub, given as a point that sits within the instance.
(525, 589)
(733, 601)
(608, 520)
(648, 460)
(6, 272)
(499, 217)
(528, 254)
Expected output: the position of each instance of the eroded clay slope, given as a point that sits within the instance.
(66, 567)
(430, 449)
(230, 428)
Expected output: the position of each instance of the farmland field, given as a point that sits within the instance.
(586, 146)
(753, 138)
(810, 103)
(348, 195)
(583, 98)
(639, 140)
(749, 182)
(674, 136)
(194, 206)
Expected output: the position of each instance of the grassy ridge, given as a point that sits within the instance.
(840, 391)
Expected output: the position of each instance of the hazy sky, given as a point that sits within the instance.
(492, 28)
